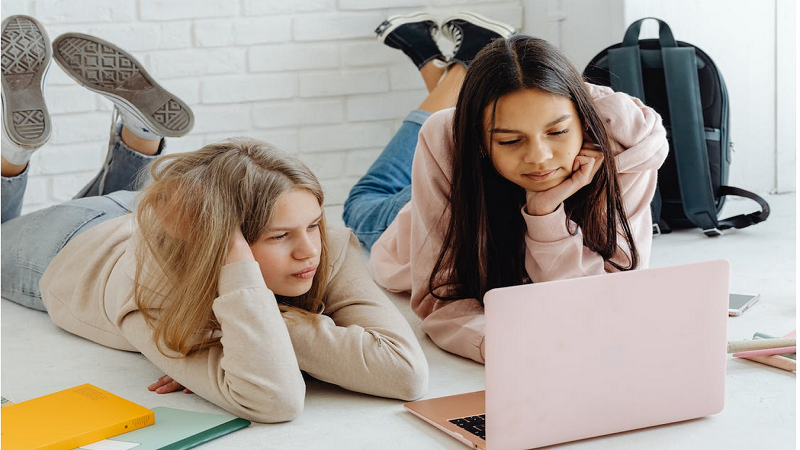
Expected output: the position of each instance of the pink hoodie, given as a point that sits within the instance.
(402, 259)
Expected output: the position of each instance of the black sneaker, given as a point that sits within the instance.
(102, 67)
(415, 34)
(26, 58)
(470, 32)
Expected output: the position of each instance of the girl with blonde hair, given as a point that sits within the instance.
(222, 271)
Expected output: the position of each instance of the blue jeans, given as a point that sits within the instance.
(31, 241)
(375, 200)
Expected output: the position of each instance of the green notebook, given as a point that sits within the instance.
(174, 429)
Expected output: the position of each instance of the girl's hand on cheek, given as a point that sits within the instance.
(584, 168)
(238, 248)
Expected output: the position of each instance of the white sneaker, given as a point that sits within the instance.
(26, 58)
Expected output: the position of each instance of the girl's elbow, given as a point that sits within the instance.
(282, 405)
(415, 383)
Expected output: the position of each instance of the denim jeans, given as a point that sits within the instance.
(31, 241)
(375, 200)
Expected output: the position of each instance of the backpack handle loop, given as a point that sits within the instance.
(665, 37)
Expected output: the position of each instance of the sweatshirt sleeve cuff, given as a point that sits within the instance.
(240, 275)
(548, 228)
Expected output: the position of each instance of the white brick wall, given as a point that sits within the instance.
(305, 75)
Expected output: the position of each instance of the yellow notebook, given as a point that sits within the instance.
(70, 418)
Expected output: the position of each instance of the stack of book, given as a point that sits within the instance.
(79, 417)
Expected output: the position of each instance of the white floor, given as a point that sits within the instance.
(38, 358)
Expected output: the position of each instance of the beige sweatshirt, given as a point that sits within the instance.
(403, 257)
(361, 342)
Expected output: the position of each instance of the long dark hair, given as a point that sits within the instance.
(484, 244)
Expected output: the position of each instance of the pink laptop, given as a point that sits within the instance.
(579, 358)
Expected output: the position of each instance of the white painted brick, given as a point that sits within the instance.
(218, 119)
(72, 158)
(61, 11)
(377, 4)
(390, 105)
(196, 62)
(336, 190)
(259, 7)
(325, 165)
(466, 2)
(248, 88)
(75, 128)
(286, 139)
(510, 13)
(333, 216)
(275, 58)
(186, 9)
(135, 37)
(57, 77)
(213, 33)
(358, 161)
(371, 53)
(64, 187)
(319, 84)
(335, 26)
(405, 77)
(344, 137)
(260, 30)
(298, 112)
(35, 191)
(14, 7)
(70, 99)
(188, 143)
(187, 89)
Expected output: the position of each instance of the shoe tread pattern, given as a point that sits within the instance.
(24, 58)
(24, 47)
(97, 64)
(107, 69)
(173, 116)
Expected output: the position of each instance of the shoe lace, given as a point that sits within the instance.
(456, 35)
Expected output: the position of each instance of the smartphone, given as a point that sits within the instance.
(738, 303)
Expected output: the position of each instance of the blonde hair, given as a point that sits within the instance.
(186, 217)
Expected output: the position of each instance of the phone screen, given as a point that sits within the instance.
(738, 303)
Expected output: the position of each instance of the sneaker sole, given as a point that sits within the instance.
(391, 23)
(503, 29)
(102, 67)
(26, 58)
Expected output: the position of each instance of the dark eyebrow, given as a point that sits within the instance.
(558, 120)
(272, 230)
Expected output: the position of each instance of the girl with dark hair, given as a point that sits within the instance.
(534, 176)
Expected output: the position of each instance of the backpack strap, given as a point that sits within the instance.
(743, 220)
(688, 138)
(686, 117)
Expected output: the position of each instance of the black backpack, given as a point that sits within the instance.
(682, 83)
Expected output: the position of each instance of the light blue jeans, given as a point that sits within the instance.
(375, 200)
(31, 241)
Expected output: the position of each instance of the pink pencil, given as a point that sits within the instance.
(766, 351)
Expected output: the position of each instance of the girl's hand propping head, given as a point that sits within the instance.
(238, 248)
(587, 163)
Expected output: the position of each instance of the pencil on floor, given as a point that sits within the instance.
(776, 361)
(759, 344)
(765, 352)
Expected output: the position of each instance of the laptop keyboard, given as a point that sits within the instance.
(474, 424)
